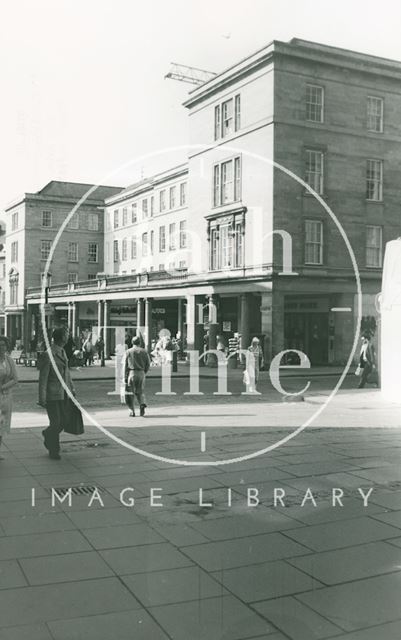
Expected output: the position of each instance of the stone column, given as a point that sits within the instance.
(70, 323)
(194, 331)
(106, 332)
(213, 331)
(148, 324)
(266, 311)
(140, 317)
(245, 325)
(277, 322)
(99, 317)
(180, 322)
(74, 319)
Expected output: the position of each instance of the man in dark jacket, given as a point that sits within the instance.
(137, 364)
(367, 359)
(52, 395)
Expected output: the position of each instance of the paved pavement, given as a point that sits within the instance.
(189, 571)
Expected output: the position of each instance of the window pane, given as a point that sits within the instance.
(314, 103)
(314, 170)
(313, 242)
(375, 107)
(374, 180)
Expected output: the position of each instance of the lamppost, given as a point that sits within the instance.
(47, 277)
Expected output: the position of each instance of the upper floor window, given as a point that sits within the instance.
(92, 276)
(171, 234)
(116, 219)
(125, 216)
(152, 206)
(14, 221)
(314, 103)
(144, 208)
(172, 197)
(183, 234)
(227, 117)
(115, 251)
(47, 220)
(226, 245)
(374, 246)
(124, 249)
(313, 242)
(73, 252)
(162, 197)
(93, 221)
(183, 194)
(133, 248)
(14, 251)
(162, 239)
(227, 182)
(93, 252)
(375, 110)
(74, 221)
(374, 180)
(72, 277)
(314, 170)
(45, 246)
(152, 242)
(134, 212)
(145, 244)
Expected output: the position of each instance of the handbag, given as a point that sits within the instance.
(73, 422)
(358, 370)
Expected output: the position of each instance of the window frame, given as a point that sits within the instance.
(93, 244)
(309, 105)
(162, 239)
(320, 244)
(371, 247)
(318, 176)
(44, 255)
(92, 216)
(372, 181)
(69, 258)
(370, 115)
(219, 186)
(47, 226)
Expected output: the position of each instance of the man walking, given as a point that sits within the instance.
(52, 395)
(137, 363)
(367, 360)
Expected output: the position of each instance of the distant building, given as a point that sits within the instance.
(327, 115)
(32, 223)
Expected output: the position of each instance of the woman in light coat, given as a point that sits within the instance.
(8, 380)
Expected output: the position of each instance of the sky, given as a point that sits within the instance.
(83, 87)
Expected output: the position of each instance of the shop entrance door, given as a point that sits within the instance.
(308, 332)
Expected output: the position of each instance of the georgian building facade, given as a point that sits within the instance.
(293, 162)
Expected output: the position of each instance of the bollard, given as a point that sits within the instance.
(175, 361)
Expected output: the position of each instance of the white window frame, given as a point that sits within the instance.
(312, 244)
(94, 254)
(162, 239)
(314, 169)
(145, 244)
(162, 200)
(145, 210)
(45, 246)
(116, 251)
(134, 248)
(73, 252)
(48, 213)
(375, 114)
(183, 234)
(313, 106)
(14, 221)
(227, 117)
(125, 216)
(227, 191)
(374, 180)
(374, 247)
(72, 276)
(134, 212)
(124, 250)
(74, 221)
(14, 251)
(183, 194)
(172, 240)
(172, 197)
(93, 221)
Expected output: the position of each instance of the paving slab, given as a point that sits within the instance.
(296, 620)
(43, 544)
(136, 624)
(211, 619)
(65, 568)
(26, 632)
(389, 631)
(352, 563)
(358, 605)
(174, 585)
(264, 581)
(11, 575)
(36, 523)
(103, 517)
(118, 536)
(28, 605)
(249, 550)
(344, 533)
(252, 521)
(142, 559)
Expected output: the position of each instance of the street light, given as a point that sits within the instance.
(47, 278)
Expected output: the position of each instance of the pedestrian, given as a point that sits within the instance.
(8, 379)
(136, 366)
(254, 365)
(99, 346)
(88, 350)
(69, 347)
(367, 359)
(52, 394)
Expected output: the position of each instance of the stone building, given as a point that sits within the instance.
(263, 255)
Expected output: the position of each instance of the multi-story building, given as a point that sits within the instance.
(2, 277)
(270, 255)
(32, 223)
